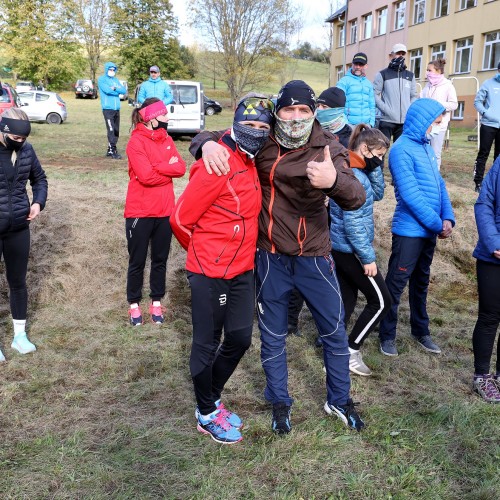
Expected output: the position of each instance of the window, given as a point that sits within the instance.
(438, 51)
(340, 72)
(463, 55)
(399, 15)
(367, 26)
(442, 7)
(341, 36)
(382, 21)
(491, 50)
(42, 97)
(184, 94)
(467, 4)
(419, 11)
(416, 62)
(354, 31)
(458, 114)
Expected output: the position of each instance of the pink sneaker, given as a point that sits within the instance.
(156, 313)
(135, 316)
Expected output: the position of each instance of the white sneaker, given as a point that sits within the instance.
(22, 344)
(2, 357)
(357, 366)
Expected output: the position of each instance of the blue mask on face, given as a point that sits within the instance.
(332, 119)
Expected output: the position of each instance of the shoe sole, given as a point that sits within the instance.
(333, 411)
(426, 348)
(22, 351)
(357, 372)
(217, 440)
(389, 354)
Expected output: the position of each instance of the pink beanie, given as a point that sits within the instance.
(153, 110)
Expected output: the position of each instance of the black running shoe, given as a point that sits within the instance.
(347, 413)
(281, 418)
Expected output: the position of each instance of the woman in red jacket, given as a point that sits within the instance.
(153, 161)
(215, 219)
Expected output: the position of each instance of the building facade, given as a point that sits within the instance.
(465, 32)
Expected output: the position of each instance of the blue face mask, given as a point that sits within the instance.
(332, 119)
(435, 131)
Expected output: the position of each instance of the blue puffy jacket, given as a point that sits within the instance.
(360, 99)
(422, 202)
(110, 88)
(155, 88)
(353, 231)
(487, 102)
(487, 210)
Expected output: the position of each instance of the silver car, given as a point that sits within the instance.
(44, 106)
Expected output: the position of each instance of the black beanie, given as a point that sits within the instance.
(13, 126)
(332, 97)
(296, 92)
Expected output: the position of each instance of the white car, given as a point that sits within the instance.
(44, 106)
(24, 86)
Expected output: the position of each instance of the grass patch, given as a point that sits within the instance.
(101, 410)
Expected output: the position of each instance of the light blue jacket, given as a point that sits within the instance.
(487, 211)
(353, 231)
(155, 88)
(110, 89)
(422, 202)
(360, 99)
(487, 102)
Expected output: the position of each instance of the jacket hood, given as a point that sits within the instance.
(419, 117)
(110, 65)
(154, 82)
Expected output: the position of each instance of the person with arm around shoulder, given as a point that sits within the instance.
(423, 213)
(487, 254)
(442, 90)
(110, 89)
(352, 233)
(18, 165)
(153, 163)
(216, 221)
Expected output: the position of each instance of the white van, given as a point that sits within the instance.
(186, 113)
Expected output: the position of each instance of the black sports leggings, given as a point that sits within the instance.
(15, 249)
(217, 304)
(488, 318)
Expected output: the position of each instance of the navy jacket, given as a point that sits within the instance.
(14, 201)
(487, 211)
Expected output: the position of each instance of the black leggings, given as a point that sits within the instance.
(216, 304)
(351, 276)
(140, 232)
(488, 318)
(15, 249)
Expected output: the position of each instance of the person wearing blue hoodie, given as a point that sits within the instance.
(154, 86)
(487, 103)
(110, 89)
(423, 213)
(360, 99)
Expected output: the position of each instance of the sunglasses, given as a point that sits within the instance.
(259, 102)
(153, 72)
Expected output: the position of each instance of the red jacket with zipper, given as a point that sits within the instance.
(215, 218)
(153, 160)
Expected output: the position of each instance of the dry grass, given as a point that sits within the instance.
(104, 411)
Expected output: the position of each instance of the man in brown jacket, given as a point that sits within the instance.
(297, 167)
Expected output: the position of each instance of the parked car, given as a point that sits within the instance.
(124, 97)
(8, 98)
(44, 106)
(21, 86)
(211, 107)
(85, 88)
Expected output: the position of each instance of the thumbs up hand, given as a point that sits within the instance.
(322, 174)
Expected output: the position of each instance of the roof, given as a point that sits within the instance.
(336, 15)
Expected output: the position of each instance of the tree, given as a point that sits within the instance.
(92, 25)
(145, 32)
(39, 41)
(250, 37)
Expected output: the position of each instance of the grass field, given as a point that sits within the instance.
(104, 411)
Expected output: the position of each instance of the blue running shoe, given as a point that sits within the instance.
(281, 418)
(218, 428)
(231, 417)
(347, 413)
(21, 344)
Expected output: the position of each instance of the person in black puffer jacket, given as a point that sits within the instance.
(18, 164)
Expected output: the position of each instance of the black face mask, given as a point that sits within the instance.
(160, 124)
(398, 63)
(372, 163)
(13, 145)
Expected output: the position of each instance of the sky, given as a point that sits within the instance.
(314, 31)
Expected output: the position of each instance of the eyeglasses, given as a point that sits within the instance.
(259, 102)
